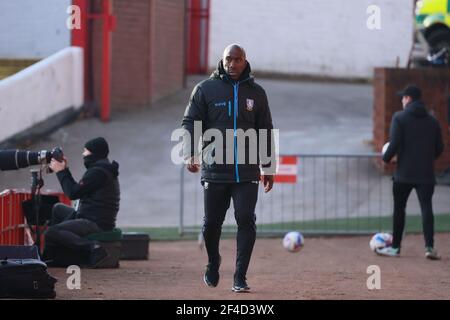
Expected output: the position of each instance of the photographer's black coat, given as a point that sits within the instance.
(98, 191)
(221, 103)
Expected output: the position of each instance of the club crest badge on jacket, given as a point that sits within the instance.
(250, 104)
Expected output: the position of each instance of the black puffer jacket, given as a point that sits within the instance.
(223, 104)
(98, 191)
(416, 139)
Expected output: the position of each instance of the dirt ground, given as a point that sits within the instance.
(326, 268)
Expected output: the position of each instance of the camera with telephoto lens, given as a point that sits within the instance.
(17, 159)
(47, 156)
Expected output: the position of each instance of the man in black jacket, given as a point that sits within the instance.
(416, 140)
(230, 102)
(99, 194)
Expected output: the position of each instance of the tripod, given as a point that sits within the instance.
(36, 184)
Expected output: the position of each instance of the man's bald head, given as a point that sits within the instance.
(236, 47)
(234, 60)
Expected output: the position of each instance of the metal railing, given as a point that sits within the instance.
(335, 194)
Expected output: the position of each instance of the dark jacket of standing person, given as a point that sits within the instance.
(416, 139)
(215, 102)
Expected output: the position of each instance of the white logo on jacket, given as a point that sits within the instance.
(250, 104)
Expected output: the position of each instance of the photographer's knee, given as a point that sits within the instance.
(52, 233)
(57, 208)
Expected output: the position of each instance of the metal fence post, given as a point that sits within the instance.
(181, 226)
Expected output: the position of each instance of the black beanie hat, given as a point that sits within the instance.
(98, 147)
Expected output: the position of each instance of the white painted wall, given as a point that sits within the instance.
(41, 91)
(313, 37)
(33, 29)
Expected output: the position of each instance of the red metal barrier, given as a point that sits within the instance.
(12, 219)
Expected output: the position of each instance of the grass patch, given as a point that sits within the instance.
(160, 233)
(371, 224)
(342, 225)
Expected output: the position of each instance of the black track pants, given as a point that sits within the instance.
(217, 197)
(401, 193)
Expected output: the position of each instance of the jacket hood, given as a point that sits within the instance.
(112, 167)
(220, 73)
(417, 109)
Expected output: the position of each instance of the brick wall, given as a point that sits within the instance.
(168, 51)
(147, 51)
(130, 82)
(434, 85)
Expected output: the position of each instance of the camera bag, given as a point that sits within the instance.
(22, 277)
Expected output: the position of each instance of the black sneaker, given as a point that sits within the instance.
(240, 285)
(212, 276)
(97, 257)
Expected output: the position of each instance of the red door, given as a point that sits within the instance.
(198, 30)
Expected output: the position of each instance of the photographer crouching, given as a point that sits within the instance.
(99, 194)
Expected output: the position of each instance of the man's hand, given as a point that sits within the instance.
(57, 166)
(268, 182)
(393, 160)
(66, 161)
(193, 165)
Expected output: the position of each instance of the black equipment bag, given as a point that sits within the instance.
(27, 278)
(24, 277)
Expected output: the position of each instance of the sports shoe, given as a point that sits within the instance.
(388, 251)
(240, 285)
(431, 254)
(97, 257)
(212, 276)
